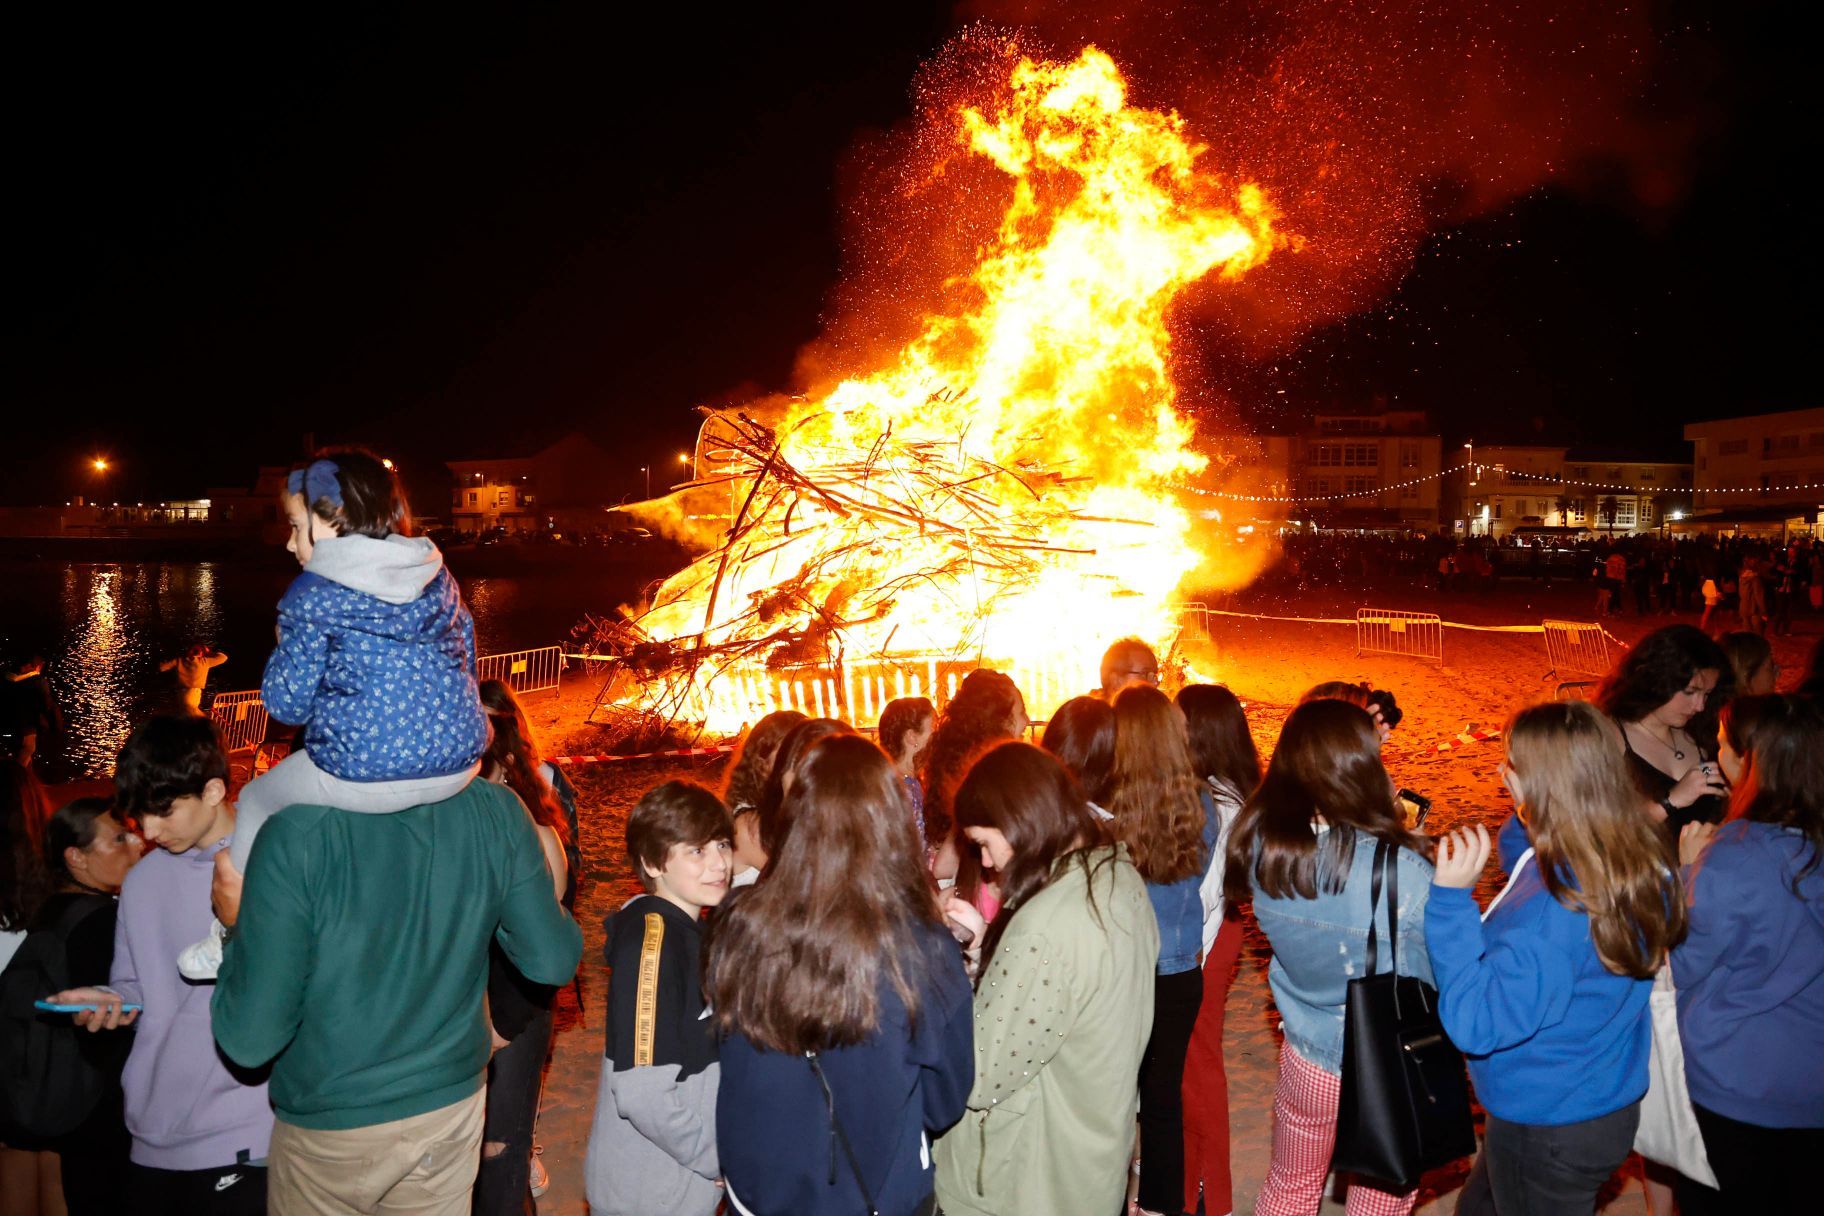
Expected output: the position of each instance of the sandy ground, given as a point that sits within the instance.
(1484, 678)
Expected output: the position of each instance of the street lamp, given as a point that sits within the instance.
(647, 470)
(99, 464)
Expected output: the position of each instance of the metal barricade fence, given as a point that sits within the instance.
(524, 670)
(1574, 649)
(1193, 619)
(1418, 635)
(241, 717)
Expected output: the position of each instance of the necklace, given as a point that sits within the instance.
(1668, 742)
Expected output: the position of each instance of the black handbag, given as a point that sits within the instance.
(1405, 1094)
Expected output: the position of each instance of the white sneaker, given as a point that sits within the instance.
(541, 1181)
(201, 961)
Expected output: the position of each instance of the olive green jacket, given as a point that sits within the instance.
(1062, 1016)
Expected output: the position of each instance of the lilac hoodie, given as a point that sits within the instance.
(185, 1109)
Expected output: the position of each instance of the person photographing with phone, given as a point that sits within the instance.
(60, 1104)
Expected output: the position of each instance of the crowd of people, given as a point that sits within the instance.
(1765, 583)
(939, 969)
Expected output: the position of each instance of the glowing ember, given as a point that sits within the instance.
(1002, 491)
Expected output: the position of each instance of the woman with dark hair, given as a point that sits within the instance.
(498, 699)
(772, 816)
(1164, 813)
(842, 1002)
(1222, 751)
(1063, 1003)
(1303, 849)
(1081, 734)
(987, 708)
(87, 853)
(1750, 973)
(1547, 992)
(745, 785)
(1664, 693)
(1751, 665)
(905, 730)
(519, 1009)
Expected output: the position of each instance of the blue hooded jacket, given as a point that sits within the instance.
(1750, 978)
(1551, 1035)
(376, 658)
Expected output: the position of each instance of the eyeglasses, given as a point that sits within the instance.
(1150, 674)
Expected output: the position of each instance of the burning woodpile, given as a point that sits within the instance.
(1001, 491)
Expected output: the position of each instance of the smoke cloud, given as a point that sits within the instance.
(1369, 124)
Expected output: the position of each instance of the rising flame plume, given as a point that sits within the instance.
(1000, 491)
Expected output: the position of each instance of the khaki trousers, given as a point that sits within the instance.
(424, 1165)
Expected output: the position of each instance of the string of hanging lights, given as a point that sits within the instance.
(1479, 471)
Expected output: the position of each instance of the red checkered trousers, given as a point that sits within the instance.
(1304, 1133)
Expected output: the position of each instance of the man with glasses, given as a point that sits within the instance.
(1126, 664)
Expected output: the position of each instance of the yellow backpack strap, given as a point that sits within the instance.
(646, 1002)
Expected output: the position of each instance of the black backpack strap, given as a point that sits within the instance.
(838, 1136)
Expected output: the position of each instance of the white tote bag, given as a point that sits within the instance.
(1668, 1126)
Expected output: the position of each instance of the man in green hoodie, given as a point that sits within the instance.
(357, 964)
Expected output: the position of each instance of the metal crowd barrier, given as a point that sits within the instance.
(1193, 618)
(1418, 635)
(241, 717)
(1576, 648)
(524, 670)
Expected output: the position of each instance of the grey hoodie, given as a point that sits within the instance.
(652, 1148)
(396, 570)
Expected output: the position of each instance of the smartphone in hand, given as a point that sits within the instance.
(1416, 807)
(54, 1007)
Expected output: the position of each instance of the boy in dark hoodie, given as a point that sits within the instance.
(652, 1148)
(376, 659)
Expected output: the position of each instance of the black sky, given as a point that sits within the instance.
(435, 232)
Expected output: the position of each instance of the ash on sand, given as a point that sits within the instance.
(1484, 678)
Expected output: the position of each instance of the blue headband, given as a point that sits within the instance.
(315, 483)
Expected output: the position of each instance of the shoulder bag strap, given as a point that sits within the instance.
(1390, 858)
(838, 1136)
(1374, 906)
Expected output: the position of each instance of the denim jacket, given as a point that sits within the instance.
(1178, 906)
(1320, 944)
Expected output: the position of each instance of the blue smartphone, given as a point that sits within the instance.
(54, 1007)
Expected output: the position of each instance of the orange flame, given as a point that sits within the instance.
(1002, 490)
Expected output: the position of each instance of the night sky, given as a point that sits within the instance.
(445, 235)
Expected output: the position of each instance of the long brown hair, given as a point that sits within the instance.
(1597, 850)
(1328, 763)
(772, 814)
(1024, 793)
(753, 762)
(975, 717)
(1221, 746)
(1781, 743)
(1081, 733)
(797, 962)
(1155, 795)
(512, 753)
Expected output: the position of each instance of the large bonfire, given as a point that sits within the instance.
(1003, 490)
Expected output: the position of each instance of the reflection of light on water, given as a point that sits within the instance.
(491, 602)
(97, 668)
